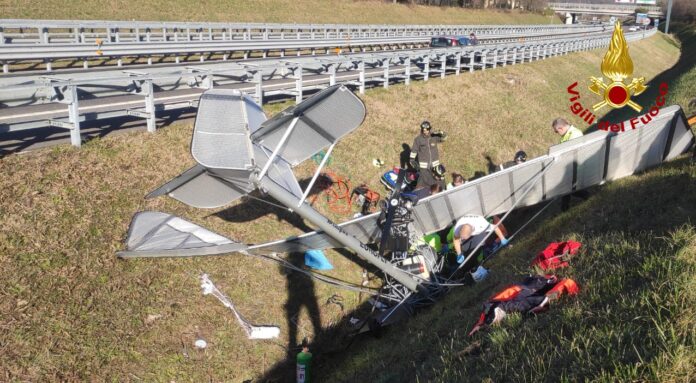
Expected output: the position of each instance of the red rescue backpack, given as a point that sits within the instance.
(556, 255)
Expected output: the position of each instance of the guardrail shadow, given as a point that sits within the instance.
(15, 142)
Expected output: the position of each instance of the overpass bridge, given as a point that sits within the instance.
(606, 9)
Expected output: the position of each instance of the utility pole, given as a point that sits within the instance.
(669, 13)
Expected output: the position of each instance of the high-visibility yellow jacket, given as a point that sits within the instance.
(572, 133)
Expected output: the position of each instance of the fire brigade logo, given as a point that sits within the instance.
(617, 65)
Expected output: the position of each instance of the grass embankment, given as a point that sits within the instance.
(276, 11)
(72, 311)
(632, 321)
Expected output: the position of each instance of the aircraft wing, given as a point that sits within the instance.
(155, 234)
(315, 123)
(574, 165)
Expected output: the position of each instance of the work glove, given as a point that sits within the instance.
(460, 259)
(504, 242)
(413, 163)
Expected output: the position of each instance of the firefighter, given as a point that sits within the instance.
(425, 156)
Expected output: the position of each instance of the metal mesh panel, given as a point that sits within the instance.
(591, 158)
(525, 173)
(220, 137)
(322, 120)
(558, 180)
(681, 141)
(463, 200)
(652, 144)
(496, 192)
(623, 154)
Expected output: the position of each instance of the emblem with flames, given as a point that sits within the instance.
(617, 65)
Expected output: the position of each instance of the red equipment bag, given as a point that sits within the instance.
(556, 255)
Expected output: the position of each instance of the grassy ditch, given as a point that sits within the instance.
(71, 311)
(632, 320)
(276, 11)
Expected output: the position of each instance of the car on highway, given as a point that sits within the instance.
(449, 41)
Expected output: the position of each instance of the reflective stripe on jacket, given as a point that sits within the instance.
(425, 149)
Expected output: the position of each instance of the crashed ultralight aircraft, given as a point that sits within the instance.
(238, 150)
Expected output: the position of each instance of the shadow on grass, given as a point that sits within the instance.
(626, 259)
(15, 142)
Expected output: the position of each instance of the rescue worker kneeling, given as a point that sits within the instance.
(468, 232)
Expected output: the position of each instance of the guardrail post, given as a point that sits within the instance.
(149, 91)
(495, 58)
(44, 35)
(74, 116)
(258, 79)
(505, 56)
(426, 68)
(298, 84)
(385, 65)
(514, 55)
(458, 63)
(2, 36)
(407, 72)
(443, 66)
(332, 74)
(361, 76)
(484, 56)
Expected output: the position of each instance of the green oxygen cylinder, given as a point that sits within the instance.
(304, 362)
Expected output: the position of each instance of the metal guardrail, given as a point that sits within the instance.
(66, 51)
(88, 31)
(20, 53)
(605, 8)
(263, 79)
(28, 96)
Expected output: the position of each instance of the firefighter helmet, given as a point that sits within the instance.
(425, 125)
(439, 171)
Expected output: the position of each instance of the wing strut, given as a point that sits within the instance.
(330, 228)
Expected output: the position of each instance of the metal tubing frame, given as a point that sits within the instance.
(316, 174)
(279, 147)
(329, 227)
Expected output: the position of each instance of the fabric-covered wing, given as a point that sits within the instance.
(577, 164)
(198, 188)
(155, 234)
(322, 119)
(222, 128)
